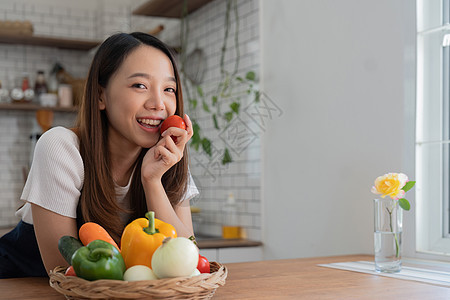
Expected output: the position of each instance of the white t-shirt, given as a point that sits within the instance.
(56, 176)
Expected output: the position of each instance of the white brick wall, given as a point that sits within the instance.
(16, 128)
(98, 19)
(243, 176)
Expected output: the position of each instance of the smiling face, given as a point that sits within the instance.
(138, 97)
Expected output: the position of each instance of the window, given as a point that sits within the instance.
(433, 127)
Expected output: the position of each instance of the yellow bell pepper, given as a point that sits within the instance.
(142, 237)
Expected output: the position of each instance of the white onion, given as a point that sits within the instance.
(139, 272)
(176, 257)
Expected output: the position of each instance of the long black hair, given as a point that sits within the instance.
(98, 197)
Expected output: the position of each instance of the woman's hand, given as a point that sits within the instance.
(166, 152)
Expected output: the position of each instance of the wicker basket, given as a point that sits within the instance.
(202, 286)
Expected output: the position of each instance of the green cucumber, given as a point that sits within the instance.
(67, 246)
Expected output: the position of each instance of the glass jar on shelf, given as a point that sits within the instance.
(4, 94)
(40, 85)
(28, 92)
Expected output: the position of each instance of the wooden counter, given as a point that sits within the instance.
(277, 279)
(212, 243)
(303, 279)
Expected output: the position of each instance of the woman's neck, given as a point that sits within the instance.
(123, 159)
(122, 168)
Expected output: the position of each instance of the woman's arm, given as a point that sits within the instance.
(49, 227)
(157, 161)
(179, 216)
(53, 188)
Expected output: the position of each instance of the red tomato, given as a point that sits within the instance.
(173, 121)
(70, 272)
(203, 264)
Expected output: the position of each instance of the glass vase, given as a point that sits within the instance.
(388, 235)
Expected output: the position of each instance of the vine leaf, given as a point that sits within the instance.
(228, 116)
(257, 96)
(205, 106)
(250, 76)
(226, 157)
(206, 145)
(196, 140)
(200, 91)
(235, 107)
(214, 100)
(216, 124)
(193, 103)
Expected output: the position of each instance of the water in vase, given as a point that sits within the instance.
(388, 251)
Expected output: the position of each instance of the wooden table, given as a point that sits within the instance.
(277, 279)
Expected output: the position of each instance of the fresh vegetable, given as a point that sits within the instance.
(173, 121)
(175, 257)
(70, 271)
(98, 260)
(67, 246)
(203, 264)
(91, 231)
(142, 237)
(195, 273)
(139, 272)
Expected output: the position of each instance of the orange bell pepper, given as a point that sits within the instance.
(142, 237)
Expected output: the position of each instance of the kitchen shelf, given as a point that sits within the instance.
(35, 107)
(36, 40)
(168, 8)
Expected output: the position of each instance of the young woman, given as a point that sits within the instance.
(115, 165)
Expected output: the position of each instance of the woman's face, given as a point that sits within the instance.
(138, 97)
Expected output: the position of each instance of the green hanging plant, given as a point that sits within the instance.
(225, 90)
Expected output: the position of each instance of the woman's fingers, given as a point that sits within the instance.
(168, 156)
(179, 136)
(189, 128)
(173, 143)
(176, 133)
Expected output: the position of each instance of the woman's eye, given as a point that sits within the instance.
(139, 86)
(171, 90)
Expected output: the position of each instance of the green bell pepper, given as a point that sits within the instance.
(98, 260)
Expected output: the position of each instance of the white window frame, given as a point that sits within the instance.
(432, 239)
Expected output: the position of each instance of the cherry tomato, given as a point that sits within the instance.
(173, 121)
(70, 272)
(203, 264)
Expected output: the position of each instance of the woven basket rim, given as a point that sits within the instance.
(202, 286)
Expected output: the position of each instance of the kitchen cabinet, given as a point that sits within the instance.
(230, 250)
(168, 8)
(233, 254)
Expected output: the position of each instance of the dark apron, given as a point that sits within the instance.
(19, 253)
